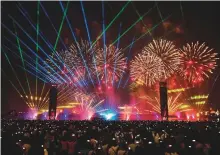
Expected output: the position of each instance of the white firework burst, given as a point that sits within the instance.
(110, 63)
(167, 52)
(147, 68)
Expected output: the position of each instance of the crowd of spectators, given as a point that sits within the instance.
(109, 138)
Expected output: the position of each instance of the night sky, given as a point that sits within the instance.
(198, 21)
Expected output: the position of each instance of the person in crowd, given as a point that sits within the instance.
(71, 144)
(23, 137)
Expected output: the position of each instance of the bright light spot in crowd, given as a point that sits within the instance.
(187, 117)
(109, 116)
(89, 117)
(193, 140)
(149, 142)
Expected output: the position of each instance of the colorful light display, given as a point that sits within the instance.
(168, 54)
(176, 90)
(173, 104)
(147, 68)
(80, 69)
(111, 63)
(198, 61)
(197, 97)
(200, 102)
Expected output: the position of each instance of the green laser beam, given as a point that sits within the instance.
(21, 56)
(61, 25)
(15, 88)
(38, 14)
(14, 72)
(159, 12)
(37, 45)
(107, 27)
(140, 17)
(147, 32)
(132, 25)
(11, 83)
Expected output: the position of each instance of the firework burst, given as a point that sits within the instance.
(78, 54)
(79, 58)
(110, 63)
(197, 60)
(89, 105)
(49, 65)
(147, 68)
(74, 62)
(167, 52)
